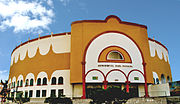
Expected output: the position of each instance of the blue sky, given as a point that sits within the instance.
(23, 19)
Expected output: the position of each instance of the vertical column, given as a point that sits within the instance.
(145, 79)
(105, 84)
(56, 92)
(127, 86)
(83, 79)
(34, 93)
(48, 92)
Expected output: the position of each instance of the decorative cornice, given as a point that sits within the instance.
(158, 43)
(43, 37)
(107, 18)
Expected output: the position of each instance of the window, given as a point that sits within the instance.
(37, 93)
(18, 84)
(31, 82)
(14, 84)
(163, 79)
(60, 80)
(115, 55)
(95, 78)
(157, 80)
(21, 83)
(53, 81)
(168, 79)
(39, 81)
(43, 93)
(27, 81)
(44, 81)
(26, 94)
(136, 78)
(53, 93)
(30, 93)
(60, 92)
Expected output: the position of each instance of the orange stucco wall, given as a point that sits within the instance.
(84, 31)
(47, 63)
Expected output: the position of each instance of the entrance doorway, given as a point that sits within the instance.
(114, 90)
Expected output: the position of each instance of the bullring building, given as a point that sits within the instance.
(95, 54)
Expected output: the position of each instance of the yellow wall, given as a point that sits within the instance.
(160, 66)
(84, 31)
(47, 63)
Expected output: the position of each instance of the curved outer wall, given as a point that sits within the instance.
(43, 57)
(159, 61)
(49, 56)
(46, 54)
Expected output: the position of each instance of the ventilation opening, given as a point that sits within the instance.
(115, 55)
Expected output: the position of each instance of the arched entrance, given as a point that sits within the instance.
(131, 42)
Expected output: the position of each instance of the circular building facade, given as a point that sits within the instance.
(96, 54)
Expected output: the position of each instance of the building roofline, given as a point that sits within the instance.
(42, 37)
(158, 43)
(107, 18)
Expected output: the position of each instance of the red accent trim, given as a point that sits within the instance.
(117, 70)
(84, 59)
(83, 79)
(96, 70)
(114, 61)
(115, 51)
(40, 38)
(158, 43)
(105, 84)
(145, 78)
(134, 70)
(107, 18)
(127, 86)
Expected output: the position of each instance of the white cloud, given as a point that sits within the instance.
(50, 2)
(25, 16)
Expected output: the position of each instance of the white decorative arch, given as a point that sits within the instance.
(161, 51)
(61, 73)
(14, 79)
(155, 75)
(30, 76)
(155, 78)
(163, 79)
(42, 75)
(20, 77)
(113, 39)
(112, 77)
(60, 44)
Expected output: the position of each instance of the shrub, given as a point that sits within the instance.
(52, 100)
